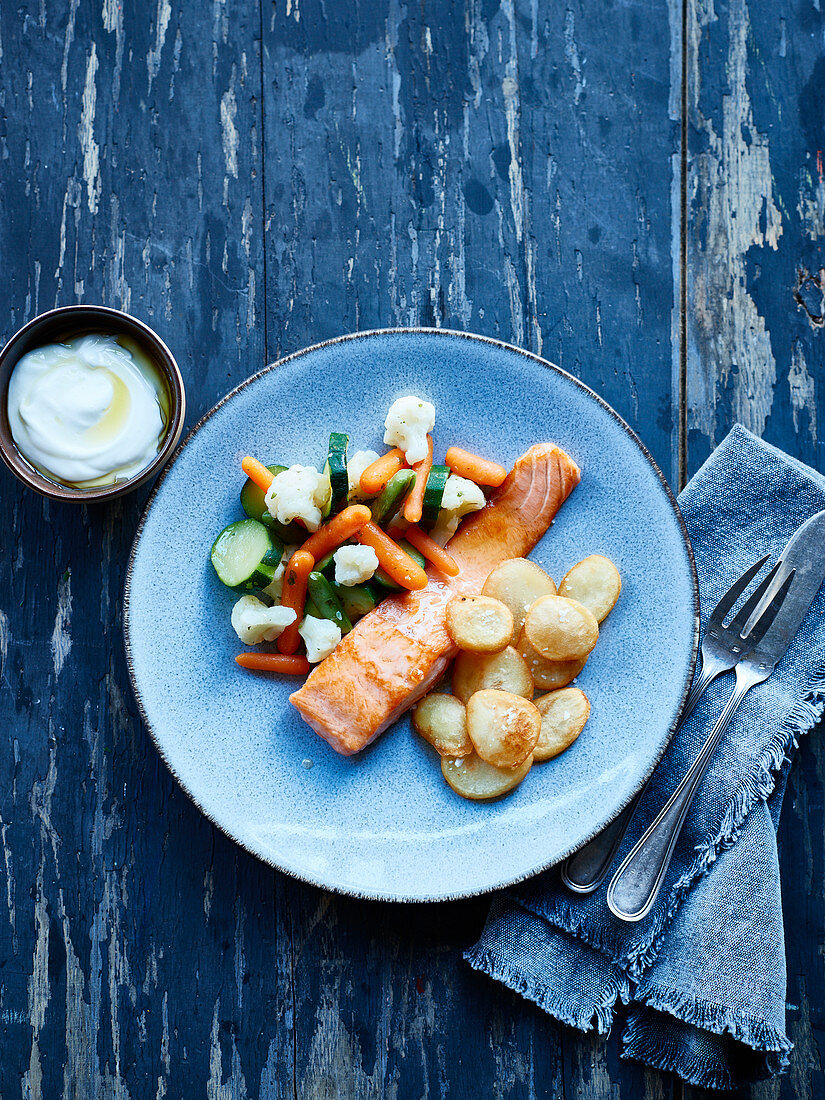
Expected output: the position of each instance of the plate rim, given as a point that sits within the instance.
(389, 896)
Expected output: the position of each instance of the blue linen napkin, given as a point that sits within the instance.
(704, 973)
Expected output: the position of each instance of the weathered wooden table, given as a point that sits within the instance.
(634, 190)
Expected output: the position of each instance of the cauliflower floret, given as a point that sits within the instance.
(460, 497)
(408, 422)
(298, 493)
(254, 622)
(320, 636)
(354, 564)
(275, 587)
(356, 466)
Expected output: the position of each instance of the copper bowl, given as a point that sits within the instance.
(63, 324)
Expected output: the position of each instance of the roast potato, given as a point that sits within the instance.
(563, 716)
(506, 671)
(561, 629)
(441, 720)
(595, 583)
(518, 583)
(502, 727)
(479, 624)
(549, 675)
(474, 778)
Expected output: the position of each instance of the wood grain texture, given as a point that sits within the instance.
(756, 198)
(483, 166)
(249, 179)
(132, 175)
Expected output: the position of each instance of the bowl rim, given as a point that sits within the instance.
(378, 895)
(27, 473)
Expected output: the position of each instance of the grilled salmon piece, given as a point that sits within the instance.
(397, 652)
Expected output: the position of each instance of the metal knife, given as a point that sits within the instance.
(805, 555)
(634, 887)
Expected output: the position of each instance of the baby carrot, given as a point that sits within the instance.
(257, 472)
(338, 530)
(294, 594)
(291, 664)
(430, 549)
(378, 473)
(479, 470)
(400, 566)
(414, 504)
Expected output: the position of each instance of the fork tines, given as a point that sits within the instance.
(720, 612)
(740, 626)
(757, 630)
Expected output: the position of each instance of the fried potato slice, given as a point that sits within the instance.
(561, 629)
(595, 583)
(502, 727)
(518, 583)
(479, 624)
(474, 778)
(563, 716)
(549, 675)
(506, 671)
(441, 719)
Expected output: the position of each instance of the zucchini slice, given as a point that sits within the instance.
(433, 494)
(245, 555)
(252, 496)
(387, 502)
(357, 600)
(290, 534)
(327, 564)
(336, 470)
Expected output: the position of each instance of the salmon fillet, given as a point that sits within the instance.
(397, 652)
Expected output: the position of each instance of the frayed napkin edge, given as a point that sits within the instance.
(756, 787)
(488, 961)
(752, 1031)
(666, 1054)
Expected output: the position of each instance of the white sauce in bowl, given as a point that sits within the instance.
(87, 412)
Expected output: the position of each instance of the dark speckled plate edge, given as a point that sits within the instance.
(546, 364)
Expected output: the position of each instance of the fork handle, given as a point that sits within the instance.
(711, 668)
(586, 870)
(633, 889)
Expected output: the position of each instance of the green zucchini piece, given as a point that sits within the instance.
(388, 501)
(357, 600)
(291, 534)
(244, 555)
(336, 469)
(252, 496)
(326, 565)
(433, 494)
(326, 508)
(416, 555)
(383, 578)
(323, 596)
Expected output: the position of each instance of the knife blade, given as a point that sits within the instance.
(805, 556)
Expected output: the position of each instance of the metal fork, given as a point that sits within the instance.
(722, 648)
(634, 887)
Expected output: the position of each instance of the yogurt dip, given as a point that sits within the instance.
(87, 412)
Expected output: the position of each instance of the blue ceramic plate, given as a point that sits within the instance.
(384, 824)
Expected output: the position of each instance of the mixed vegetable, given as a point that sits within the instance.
(318, 549)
